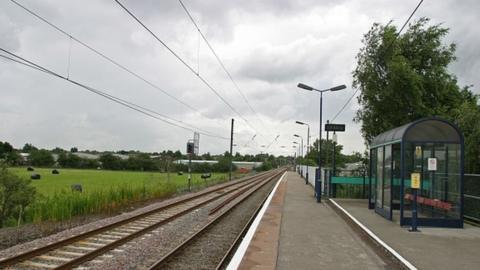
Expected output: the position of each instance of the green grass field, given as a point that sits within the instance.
(95, 180)
(103, 191)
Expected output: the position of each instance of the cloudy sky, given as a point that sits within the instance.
(267, 46)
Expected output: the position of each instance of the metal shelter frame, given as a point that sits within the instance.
(395, 145)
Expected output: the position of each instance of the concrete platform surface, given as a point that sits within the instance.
(431, 248)
(310, 236)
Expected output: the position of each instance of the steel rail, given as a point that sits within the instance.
(97, 252)
(231, 198)
(240, 236)
(64, 242)
(202, 230)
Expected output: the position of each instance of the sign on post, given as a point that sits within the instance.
(415, 180)
(335, 127)
(190, 148)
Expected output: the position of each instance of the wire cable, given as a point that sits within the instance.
(109, 59)
(391, 43)
(20, 60)
(189, 67)
(219, 61)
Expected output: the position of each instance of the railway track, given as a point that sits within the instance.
(89, 246)
(218, 233)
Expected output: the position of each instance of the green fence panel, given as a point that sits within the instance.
(348, 180)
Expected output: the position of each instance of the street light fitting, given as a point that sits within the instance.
(304, 86)
(296, 135)
(295, 142)
(309, 88)
(300, 123)
(336, 88)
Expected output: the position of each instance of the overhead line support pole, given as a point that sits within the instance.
(318, 182)
(231, 152)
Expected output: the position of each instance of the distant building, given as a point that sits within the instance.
(239, 164)
(86, 155)
(350, 169)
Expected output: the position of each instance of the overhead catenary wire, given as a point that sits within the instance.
(220, 61)
(189, 67)
(274, 140)
(389, 45)
(178, 123)
(104, 56)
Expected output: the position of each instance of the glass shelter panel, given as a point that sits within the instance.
(387, 178)
(453, 178)
(439, 196)
(396, 176)
(379, 178)
(408, 167)
(373, 177)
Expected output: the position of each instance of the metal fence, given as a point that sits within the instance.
(472, 196)
(348, 184)
(354, 184)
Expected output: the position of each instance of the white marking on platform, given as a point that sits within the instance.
(242, 248)
(376, 238)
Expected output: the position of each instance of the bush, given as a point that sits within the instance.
(223, 165)
(41, 158)
(111, 162)
(15, 194)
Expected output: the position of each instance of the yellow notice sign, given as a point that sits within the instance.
(415, 180)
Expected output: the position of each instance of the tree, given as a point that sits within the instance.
(73, 150)
(57, 150)
(41, 158)
(69, 160)
(207, 156)
(223, 165)
(177, 154)
(15, 194)
(401, 80)
(28, 147)
(141, 162)
(467, 116)
(327, 154)
(111, 162)
(9, 154)
(5, 149)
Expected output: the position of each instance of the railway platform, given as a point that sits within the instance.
(296, 232)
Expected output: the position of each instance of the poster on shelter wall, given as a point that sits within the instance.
(432, 164)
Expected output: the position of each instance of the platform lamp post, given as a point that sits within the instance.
(308, 145)
(297, 154)
(318, 186)
(301, 150)
(295, 157)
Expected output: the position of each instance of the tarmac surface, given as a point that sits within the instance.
(296, 232)
(431, 248)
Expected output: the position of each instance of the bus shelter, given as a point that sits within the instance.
(432, 147)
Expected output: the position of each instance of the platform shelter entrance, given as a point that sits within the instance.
(432, 147)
